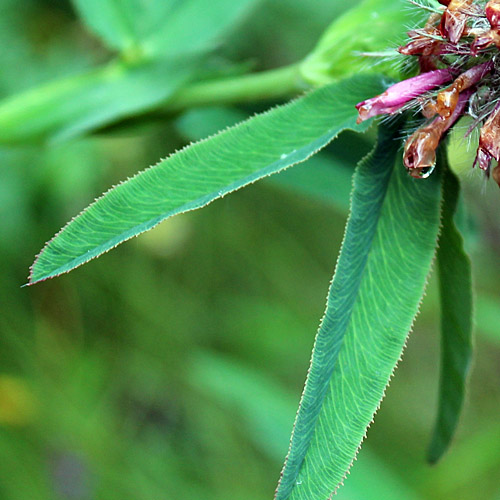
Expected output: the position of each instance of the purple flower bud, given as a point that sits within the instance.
(396, 96)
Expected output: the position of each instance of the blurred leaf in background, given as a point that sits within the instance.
(172, 368)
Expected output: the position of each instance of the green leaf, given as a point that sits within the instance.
(325, 176)
(265, 418)
(197, 175)
(197, 25)
(455, 285)
(75, 105)
(121, 23)
(370, 27)
(374, 297)
(162, 27)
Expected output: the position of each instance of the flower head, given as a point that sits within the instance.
(458, 44)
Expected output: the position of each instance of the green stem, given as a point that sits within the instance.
(275, 83)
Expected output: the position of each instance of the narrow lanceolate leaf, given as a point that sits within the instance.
(162, 27)
(79, 104)
(381, 273)
(324, 176)
(207, 170)
(455, 285)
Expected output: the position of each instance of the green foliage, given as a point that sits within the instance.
(161, 372)
(76, 105)
(194, 25)
(122, 24)
(325, 176)
(162, 27)
(373, 300)
(164, 45)
(205, 171)
(455, 284)
(266, 418)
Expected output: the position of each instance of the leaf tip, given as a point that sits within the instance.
(437, 448)
(433, 455)
(35, 274)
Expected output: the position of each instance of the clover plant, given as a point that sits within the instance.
(404, 194)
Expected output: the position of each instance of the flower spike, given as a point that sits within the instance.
(460, 43)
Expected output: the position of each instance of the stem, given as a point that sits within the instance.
(281, 82)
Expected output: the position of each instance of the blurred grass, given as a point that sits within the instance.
(172, 367)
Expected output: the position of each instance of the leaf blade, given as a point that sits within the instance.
(326, 176)
(111, 20)
(337, 407)
(455, 286)
(75, 105)
(162, 27)
(205, 171)
(195, 25)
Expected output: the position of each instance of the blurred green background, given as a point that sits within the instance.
(172, 367)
